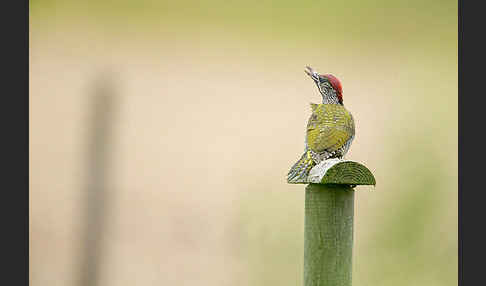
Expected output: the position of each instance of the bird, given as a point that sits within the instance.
(330, 128)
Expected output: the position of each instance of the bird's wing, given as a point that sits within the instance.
(329, 127)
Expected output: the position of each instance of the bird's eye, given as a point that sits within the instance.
(322, 79)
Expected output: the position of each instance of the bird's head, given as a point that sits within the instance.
(329, 86)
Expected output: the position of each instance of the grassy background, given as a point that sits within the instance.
(212, 106)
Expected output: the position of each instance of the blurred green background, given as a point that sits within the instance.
(211, 107)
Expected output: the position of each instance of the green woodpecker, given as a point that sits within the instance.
(330, 129)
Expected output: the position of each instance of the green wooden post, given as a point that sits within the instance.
(329, 216)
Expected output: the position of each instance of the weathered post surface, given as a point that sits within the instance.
(329, 216)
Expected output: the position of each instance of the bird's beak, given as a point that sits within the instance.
(310, 72)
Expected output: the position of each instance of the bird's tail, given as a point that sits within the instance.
(299, 171)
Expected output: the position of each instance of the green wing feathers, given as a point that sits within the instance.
(329, 128)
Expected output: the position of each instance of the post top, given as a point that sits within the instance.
(338, 171)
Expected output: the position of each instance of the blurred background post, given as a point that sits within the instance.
(97, 197)
(211, 106)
